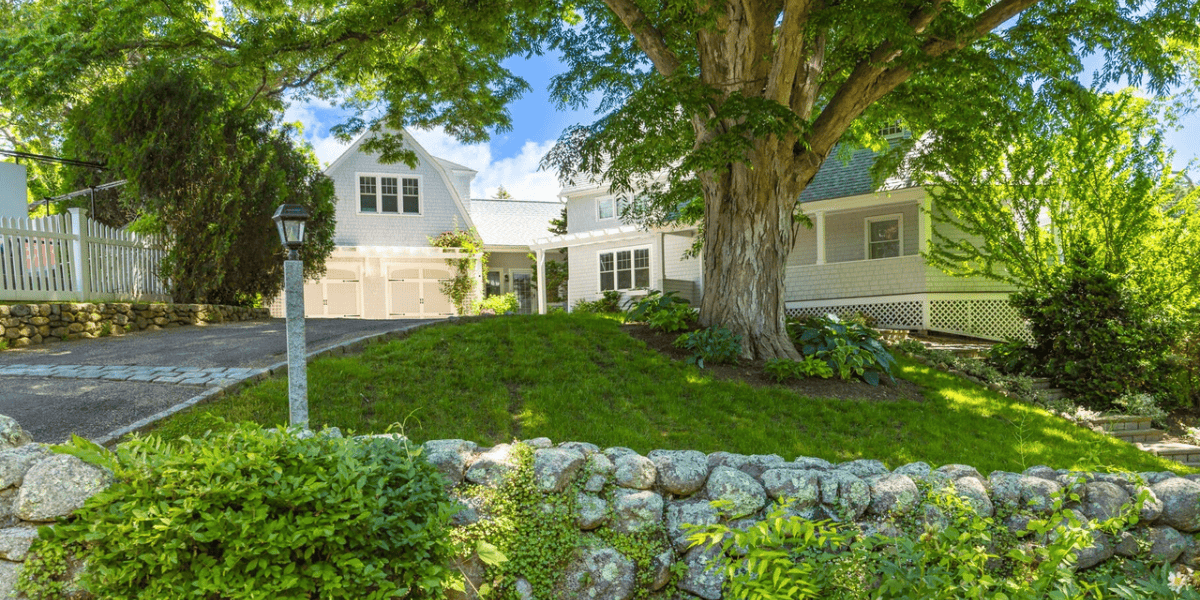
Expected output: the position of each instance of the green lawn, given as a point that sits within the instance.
(580, 378)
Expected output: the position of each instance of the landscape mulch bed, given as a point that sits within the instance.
(752, 373)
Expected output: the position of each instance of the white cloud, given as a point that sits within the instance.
(518, 174)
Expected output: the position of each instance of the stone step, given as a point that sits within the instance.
(1051, 393)
(1122, 422)
(1040, 383)
(1138, 435)
(1182, 453)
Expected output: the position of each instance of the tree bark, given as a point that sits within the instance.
(747, 239)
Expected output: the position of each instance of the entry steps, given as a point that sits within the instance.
(1139, 432)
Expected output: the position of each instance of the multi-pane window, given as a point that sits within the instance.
(884, 236)
(395, 195)
(625, 269)
(608, 208)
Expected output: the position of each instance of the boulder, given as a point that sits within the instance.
(802, 487)
(1126, 545)
(449, 457)
(916, 470)
(756, 464)
(660, 566)
(553, 468)
(1101, 500)
(636, 511)
(809, 462)
(600, 469)
(971, 489)
(845, 495)
(9, 573)
(491, 467)
(11, 433)
(15, 542)
(863, 468)
(1042, 472)
(583, 448)
(1165, 543)
(704, 576)
(688, 512)
(742, 494)
(1181, 503)
(57, 485)
(15, 462)
(680, 472)
(635, 472)
(1101, 549)
(590, 511)
(893, 494)
(598, 572)
(955, 472)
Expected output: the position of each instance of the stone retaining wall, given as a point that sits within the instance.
(26, 324)
(666, 489)
(619, 490)
(36, 488)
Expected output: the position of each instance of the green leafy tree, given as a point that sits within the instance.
(1086, 176)
(207, 174)
(433, 63)
(736, 105)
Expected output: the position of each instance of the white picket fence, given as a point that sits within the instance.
(73, 258)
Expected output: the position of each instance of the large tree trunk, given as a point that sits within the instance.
(747, 238)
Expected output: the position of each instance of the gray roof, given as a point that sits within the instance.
(838, 178)
(513, 222)
(453, 166)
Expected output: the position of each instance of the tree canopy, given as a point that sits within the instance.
(736, 105)
(1086, 175)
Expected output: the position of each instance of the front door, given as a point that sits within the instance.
(522, 286)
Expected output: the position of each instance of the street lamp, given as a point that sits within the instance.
(290, 220)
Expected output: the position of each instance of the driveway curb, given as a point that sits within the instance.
(217, 391)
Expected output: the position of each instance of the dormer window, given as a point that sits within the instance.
(389, 194)
(892, 130)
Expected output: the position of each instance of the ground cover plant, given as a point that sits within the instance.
(580, 377)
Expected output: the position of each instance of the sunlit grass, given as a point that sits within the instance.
(580, 378)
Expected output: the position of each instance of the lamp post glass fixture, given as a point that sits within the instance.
(290, 220)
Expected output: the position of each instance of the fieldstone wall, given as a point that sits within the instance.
(26, 324)
(628, 492)
(662, 491)
(36, 488)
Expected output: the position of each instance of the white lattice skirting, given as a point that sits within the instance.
(987, 316)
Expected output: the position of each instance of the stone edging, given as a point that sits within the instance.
(34, 323)
(218, 391)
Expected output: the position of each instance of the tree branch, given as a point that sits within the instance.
(648, 38)
(872, 79)
(790, 51)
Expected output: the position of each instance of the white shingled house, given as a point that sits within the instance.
(383, 265)
(862, 255)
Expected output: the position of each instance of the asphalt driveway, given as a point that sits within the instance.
(92, 387)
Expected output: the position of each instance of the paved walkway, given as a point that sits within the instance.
(93, 387)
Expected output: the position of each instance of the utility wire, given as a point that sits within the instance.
(54, 159)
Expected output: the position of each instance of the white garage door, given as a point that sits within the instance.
(338, 294)
(414, 290)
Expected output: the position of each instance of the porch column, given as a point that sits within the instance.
(542, 283)
(925, 224)
(662, 262)
(482, 284)
(819, 221)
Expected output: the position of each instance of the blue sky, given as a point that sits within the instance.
(511, 158)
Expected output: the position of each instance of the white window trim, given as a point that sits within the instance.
(600, 288)
(616, 208)
(898, 217)
(400, 177)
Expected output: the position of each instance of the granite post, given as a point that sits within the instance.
(293, 285)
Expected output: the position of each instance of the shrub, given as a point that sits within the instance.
(248, 513)
(500, 303)
(714, 344)
(1142, 405)
(1014, 357)
(662, 311)
(782, 369)
(610, 302)
(851, 349)
(1097, 338)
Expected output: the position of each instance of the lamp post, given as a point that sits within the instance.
(290, 220)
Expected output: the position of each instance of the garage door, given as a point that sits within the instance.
(338, 294)
(414, 290)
